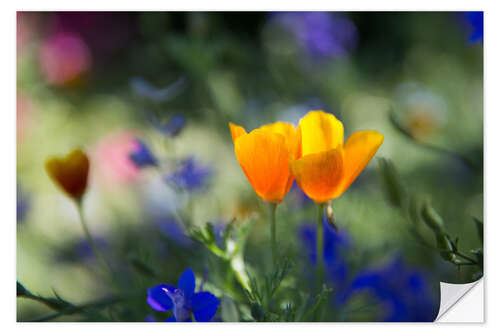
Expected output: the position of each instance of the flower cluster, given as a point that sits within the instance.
(314, 153)
(183, 301)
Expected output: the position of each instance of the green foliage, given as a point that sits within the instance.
(417, 213)
(395, 190)
(232, 248)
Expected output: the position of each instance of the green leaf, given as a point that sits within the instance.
(393, 186)
(432, 219)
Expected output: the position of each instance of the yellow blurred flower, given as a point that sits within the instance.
(328, 166)
(265, 155)
(70, 173)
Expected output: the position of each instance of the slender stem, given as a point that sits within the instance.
(92, 244)
(319, 243)
(472, 261)
(273, 232)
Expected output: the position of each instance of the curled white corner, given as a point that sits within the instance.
(457, 306)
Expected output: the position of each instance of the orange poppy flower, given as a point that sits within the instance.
(70, 173)
(329, 165)
(265, 155)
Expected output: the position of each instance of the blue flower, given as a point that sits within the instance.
(173, 230)
(173, 126)
(146, 90)
(78, 250)
(142, 156)
(189, 176)
(474, 21)
(320, 34)
(404, 293)
(183, 301)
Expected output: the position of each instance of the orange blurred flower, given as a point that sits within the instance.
(265, 155)
(329, 165)
(70, 173)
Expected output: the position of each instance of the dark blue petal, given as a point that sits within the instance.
(158, 298)
(204, 306)
(142, 156)
(189, 175)
(174, 125)
(187, 283)
(170, 319)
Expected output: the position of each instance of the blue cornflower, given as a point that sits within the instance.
(183, 301)
(404, 293)
(142, 156)
(173, 126)
(475, 23)
(189, 176)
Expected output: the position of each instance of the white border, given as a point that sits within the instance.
(7, 166)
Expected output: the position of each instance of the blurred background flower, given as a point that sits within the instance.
(111, 158)
(320, 34)
(141, 155)
(404, 293)
(64, 59)
(189, 175)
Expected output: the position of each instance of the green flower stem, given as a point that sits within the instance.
(90, 240)
(273, 232)
(319, 243)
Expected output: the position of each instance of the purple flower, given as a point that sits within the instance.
(183, 301)
(22, 205)
(173, 230)
(320, 34)
(173, 126)
(80, 250)
(189, 175)
(142, 156)
(403, 292)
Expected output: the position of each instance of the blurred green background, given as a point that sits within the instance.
(97, 81)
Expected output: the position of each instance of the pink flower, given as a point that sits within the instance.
(63, 58)
(111, 158)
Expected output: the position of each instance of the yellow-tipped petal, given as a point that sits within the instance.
(292, 136)
(70, 173)
(236, 131)
(359, 149)
(264, 158)
(320, 132)
(320, 174)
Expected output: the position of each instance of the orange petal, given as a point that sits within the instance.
(70, 173)
(292, 136)
(320, 174)
(264, 158)
(236, 131)
(358, 151)
(321, 131)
